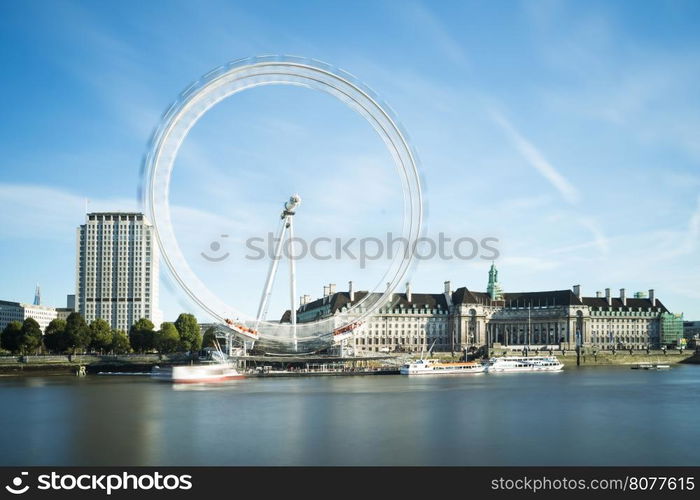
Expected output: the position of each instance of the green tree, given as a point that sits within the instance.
(120, 342)
(77, 333)
(190, 335)
(10, 338)
(142, 336)
(167, 338)
(100, 335)
(55, 336)
(30, 336)
(209, 339)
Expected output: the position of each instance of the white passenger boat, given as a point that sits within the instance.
(434, 367)
(524, 364)
(194, 374)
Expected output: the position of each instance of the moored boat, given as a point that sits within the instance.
(506, 364)
(434, 367)
(650, 366)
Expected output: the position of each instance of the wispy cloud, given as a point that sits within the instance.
(532, 264)
(645, 90)
(692, 234)
(536, 159)
(599, 239)
(427, 22)
(48, 213)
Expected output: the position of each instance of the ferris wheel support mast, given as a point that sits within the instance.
(286, 228)
(292, 284)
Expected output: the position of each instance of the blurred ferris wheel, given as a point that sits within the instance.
(183, 114)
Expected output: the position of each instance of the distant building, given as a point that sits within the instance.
(465, 319)
(559, 319)
(691, 330)
(64, 312)
(672, 330)
(18, 311)
(117, 269)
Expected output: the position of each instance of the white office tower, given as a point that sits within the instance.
(117, 269)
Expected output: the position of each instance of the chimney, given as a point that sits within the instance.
(607, 297)
(448, 293)
(351, 292)
(577, 291)
(331, 288)
(599, 294)
(307, 299)
(623, 296)
(408, 291)
(301, 300)
(325, 290)
(652, 298)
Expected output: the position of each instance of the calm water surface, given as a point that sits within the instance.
(602, 416)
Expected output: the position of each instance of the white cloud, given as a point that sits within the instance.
(685, 242)
(42, 212)
(537, 160)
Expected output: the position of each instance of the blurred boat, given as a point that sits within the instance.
(220, 369)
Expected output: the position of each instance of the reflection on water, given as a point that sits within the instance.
(600, 416)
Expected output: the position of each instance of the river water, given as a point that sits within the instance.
(581, 416)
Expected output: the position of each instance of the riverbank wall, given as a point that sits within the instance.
(625, 358)
(608, 358)
(70, 364)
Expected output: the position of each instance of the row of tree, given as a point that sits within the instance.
(73, 335)
(182, 336)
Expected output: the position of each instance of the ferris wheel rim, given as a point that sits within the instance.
(295, 69)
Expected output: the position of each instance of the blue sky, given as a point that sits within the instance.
(568, 130)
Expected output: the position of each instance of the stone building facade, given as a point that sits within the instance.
(462, 319)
